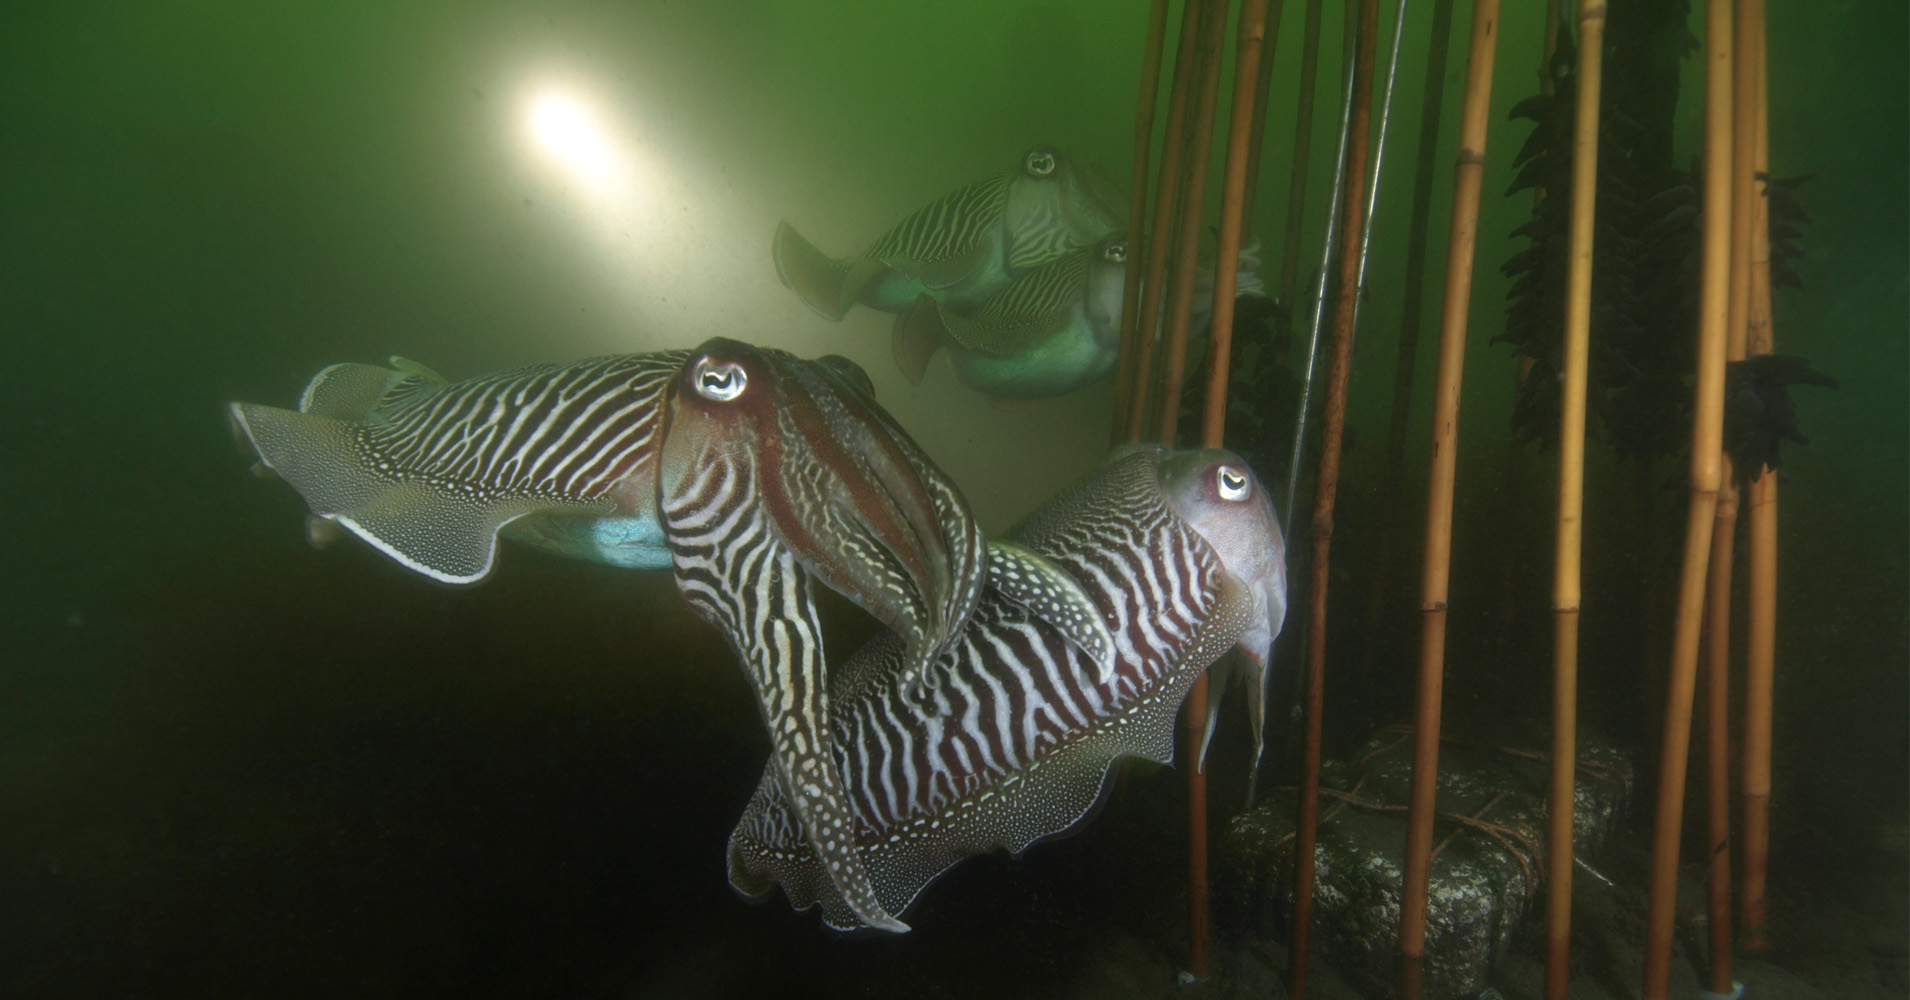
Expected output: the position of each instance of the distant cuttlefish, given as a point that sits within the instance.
(1050, 331)
(748, 472)
(1183, 556)
(961, 248)
(1053, 329)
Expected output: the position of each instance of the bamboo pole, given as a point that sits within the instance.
(1174, 142)
(1327, 486)
(1253, 21)
(1137, 211)
(1270, 28)
(1760, 652)
(1706, 445)
(1180, 301)
(1296, 183)
(1406, 363)
(1468, 176)
(1571, 503)
(1236, 181)
(1724, 532)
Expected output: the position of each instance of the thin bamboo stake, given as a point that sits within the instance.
(1270, 22)
(1724, 532)
(1235, 182)
(1406, 363)
(1707, 434)
(1213, 424)
(1253, 23)
(1760, 652)
(1571, 503)
(1468, 176)
(1327, 485)
(1180, 301)
(1137, 211)
(1717, 721)
(1296, 184)
(1174, 141)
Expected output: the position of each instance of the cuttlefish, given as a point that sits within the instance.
(747, 471)
(1012, 744)
(1051, 330)
(961, 248)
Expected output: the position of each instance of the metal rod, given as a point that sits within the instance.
(1468, 177)
(1326, 487)
(1319, 302)
(1406, 356)
(1707, 434)
(1379, 156)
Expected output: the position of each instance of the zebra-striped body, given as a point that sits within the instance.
(429, 472)
(563, 432)
(963, 247)
(951, 229)
(747, 471)
(1012, 740)
(731, 567)
(749, 517)
(1050, 331)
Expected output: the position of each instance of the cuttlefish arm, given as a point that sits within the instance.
(775, 470)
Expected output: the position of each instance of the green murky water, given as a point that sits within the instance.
(233, 766)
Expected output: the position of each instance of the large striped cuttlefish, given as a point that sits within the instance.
(1012, 740)
(961, 248)
(746, 471)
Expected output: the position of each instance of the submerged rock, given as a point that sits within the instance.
(1488, 862)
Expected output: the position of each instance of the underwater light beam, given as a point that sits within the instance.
(562, 127)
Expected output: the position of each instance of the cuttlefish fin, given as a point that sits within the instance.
(917, 336)
(444, 533)
(1031, 580)
(830, 285)
(351, 391)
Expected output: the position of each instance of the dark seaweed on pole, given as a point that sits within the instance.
(1644, 272)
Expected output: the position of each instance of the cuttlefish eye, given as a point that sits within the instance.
(720, 381)
(1038, 162)
(1115, 253)
(1233, 482)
